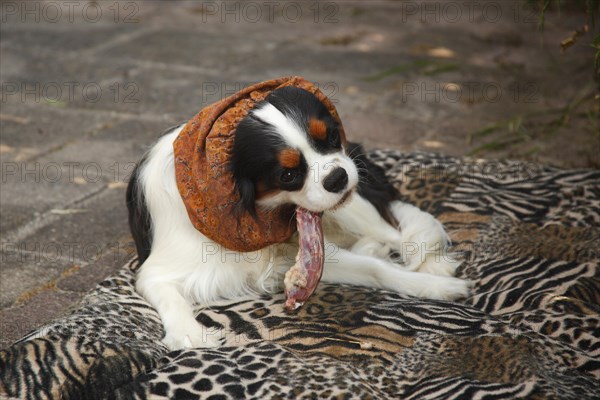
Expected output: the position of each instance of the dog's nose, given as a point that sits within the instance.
(336, 181)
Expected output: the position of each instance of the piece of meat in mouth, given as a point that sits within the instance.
(301, 280)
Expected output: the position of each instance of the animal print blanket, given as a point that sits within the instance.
(528, 234)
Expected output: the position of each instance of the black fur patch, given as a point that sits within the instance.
(302, 106)
(373, 183)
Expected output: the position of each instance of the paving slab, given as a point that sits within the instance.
(48, 39)
(27, 267)
(87, 233)
(17, 321)
(29, 130)
(88, 276)
(13, 217)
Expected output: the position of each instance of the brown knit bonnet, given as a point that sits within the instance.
(205, 182)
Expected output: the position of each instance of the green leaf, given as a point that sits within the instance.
(389, 72)
(439, 69)
(494, 145)
(483, 132)
(55, 103)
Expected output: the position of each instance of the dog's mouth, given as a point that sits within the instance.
(343, 200)
(340, 203)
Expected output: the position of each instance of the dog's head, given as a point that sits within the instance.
(288, 150)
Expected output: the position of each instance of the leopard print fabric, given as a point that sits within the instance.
(528, 236)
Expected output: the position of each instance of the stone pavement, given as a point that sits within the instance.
(88, 86)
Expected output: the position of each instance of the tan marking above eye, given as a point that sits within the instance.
(317, 129)
(289, 158)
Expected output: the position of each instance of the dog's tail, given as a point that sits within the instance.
(139, 217)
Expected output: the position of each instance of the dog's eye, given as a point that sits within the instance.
(288, 176)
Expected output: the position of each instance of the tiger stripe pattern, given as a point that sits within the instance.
(527, 234)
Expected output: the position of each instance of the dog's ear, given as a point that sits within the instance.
(247, 192)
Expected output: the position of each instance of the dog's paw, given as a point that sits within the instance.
(190, 335)
(447, 288)
(369, 247)
(444, 265)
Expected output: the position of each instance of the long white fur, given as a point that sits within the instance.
(185, 267)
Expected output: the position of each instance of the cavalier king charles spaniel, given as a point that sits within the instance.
(287, 152)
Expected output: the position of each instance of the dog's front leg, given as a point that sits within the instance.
(425, 242)
(421, 240)
(343, 266)
(181, 328)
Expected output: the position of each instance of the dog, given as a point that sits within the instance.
(288, 151)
